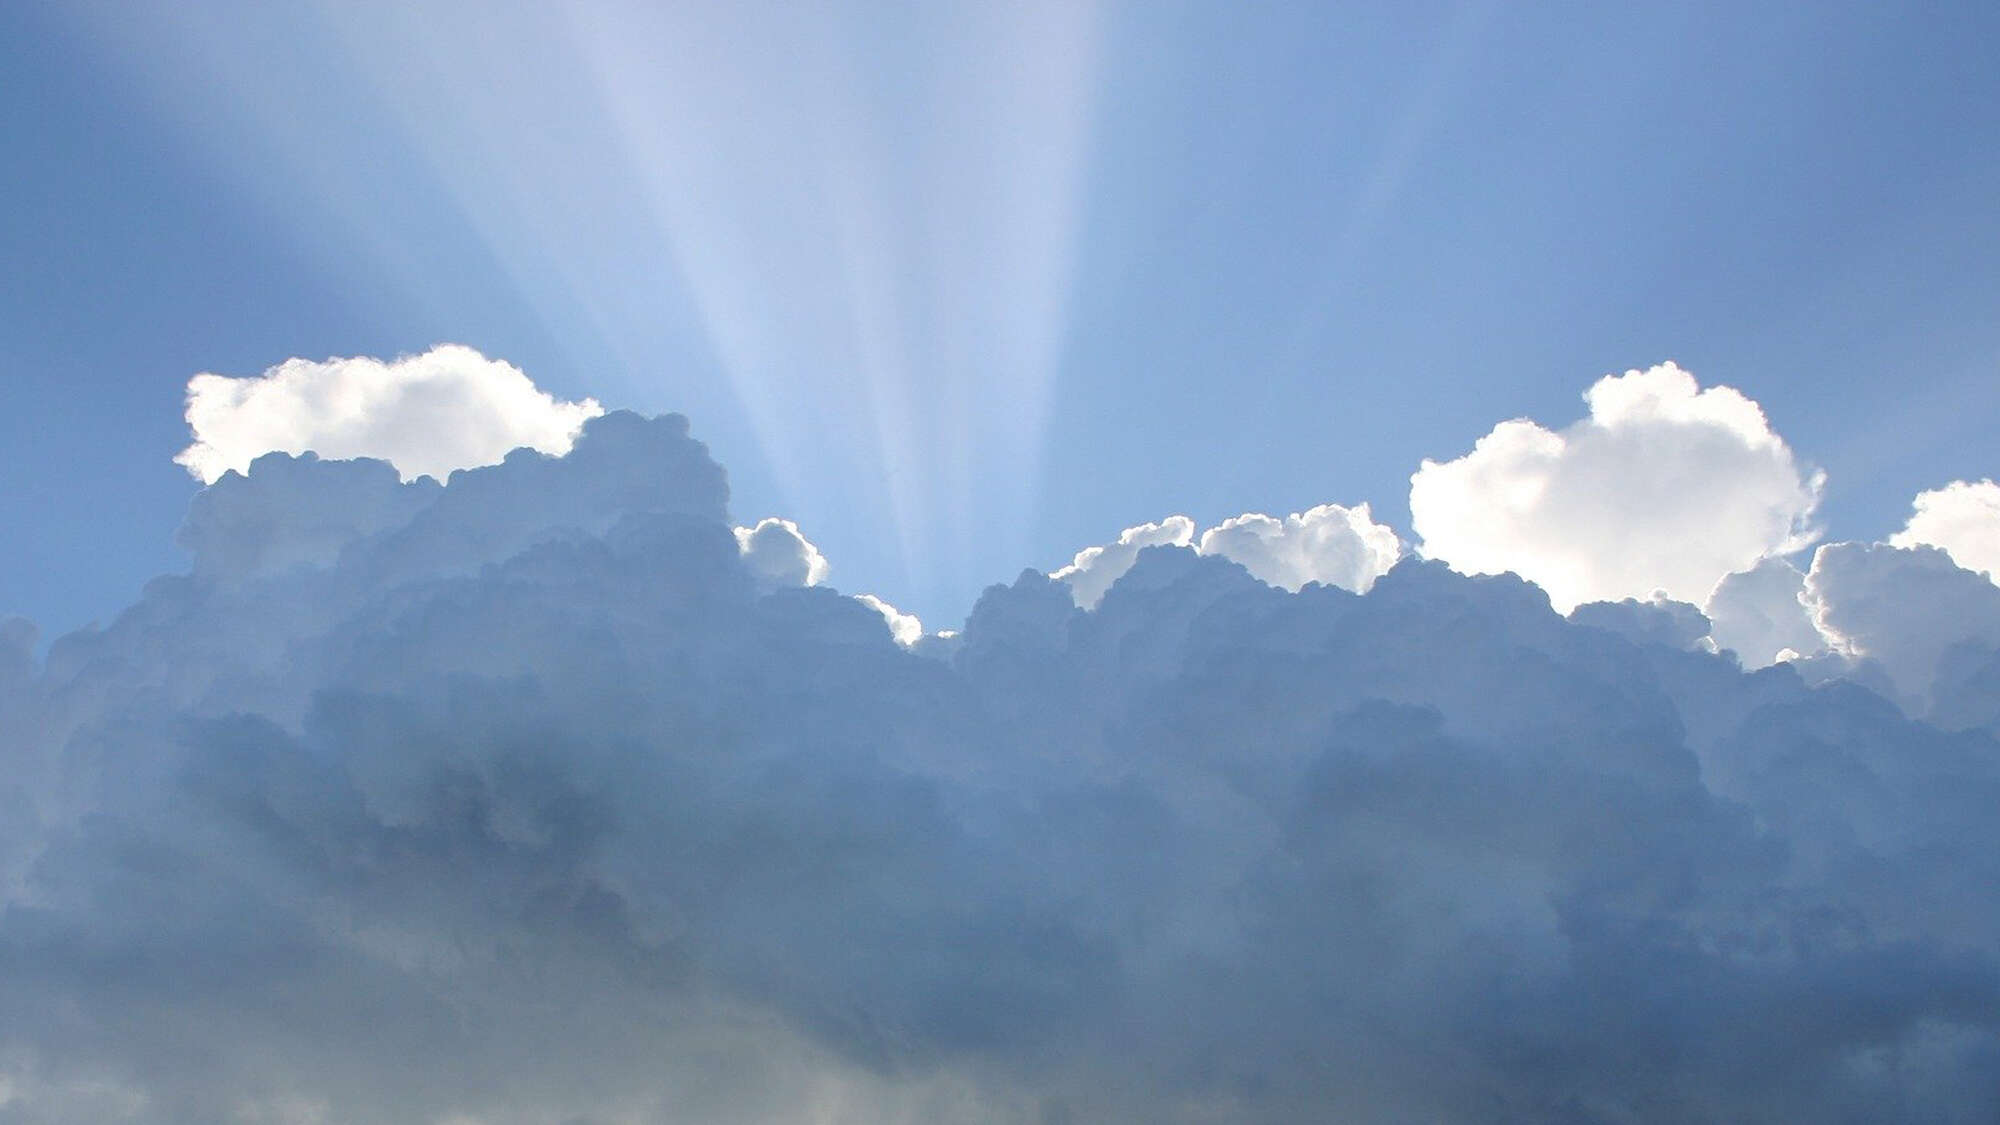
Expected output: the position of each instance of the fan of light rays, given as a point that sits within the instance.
(862, 216)
(874, 212)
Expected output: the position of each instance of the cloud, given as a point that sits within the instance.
(542, 780)
(449, 408)
(1760, 613)
(1962, 518)
(1669, 623)
(1665, 487)
(1094, 569)
(780, 555)
(1910, 610)
(1329, 544)
(905, 627)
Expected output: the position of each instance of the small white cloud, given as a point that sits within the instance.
(449, 408)
(780, 555)
(1330, 544)
(1094, 569)
(1664, 487)
(1963, 518)
(905, 627)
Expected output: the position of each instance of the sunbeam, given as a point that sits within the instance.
(876, 214)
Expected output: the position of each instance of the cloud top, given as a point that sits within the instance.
(446, 409)
(565, 784)
(1665, 487)
(1963, 518)
(1094, 569)
(779, 554)
(1329, 544)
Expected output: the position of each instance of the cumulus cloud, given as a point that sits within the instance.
(449, 408)
(1330, 544)
(542, 780)
(1962, 518)
(1910, 610)
(780, 554)
(1760, 614)
(1658, 621)
(1665, 487)
(1094, 569)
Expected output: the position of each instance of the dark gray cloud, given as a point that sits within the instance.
(528, 799)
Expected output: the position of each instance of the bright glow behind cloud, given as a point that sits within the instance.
(449, 408)
(1664, 487)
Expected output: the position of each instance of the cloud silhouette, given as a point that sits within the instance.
(534, 798)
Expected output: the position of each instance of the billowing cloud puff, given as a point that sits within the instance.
(1095, 568)
(1911, 610)
(1665, 487)
(1654, 622)
(1760, 614)
(531, 799)
(1329, 544)
(1963, 518)
(449, 408)
(780, 554)
(905, 627)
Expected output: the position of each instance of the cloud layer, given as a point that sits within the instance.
(536, 798)
(428, 415)
(1665, 486)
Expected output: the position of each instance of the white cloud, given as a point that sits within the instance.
(905, 627)
(1330, 544)
(1665, 487)
(780, 555)
(1963, 518)
(1094, 569)
(448, 408)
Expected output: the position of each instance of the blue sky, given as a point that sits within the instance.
(964, 293)
(1423, 705)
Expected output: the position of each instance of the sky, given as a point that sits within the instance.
(1015, 564)
(961, 292)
